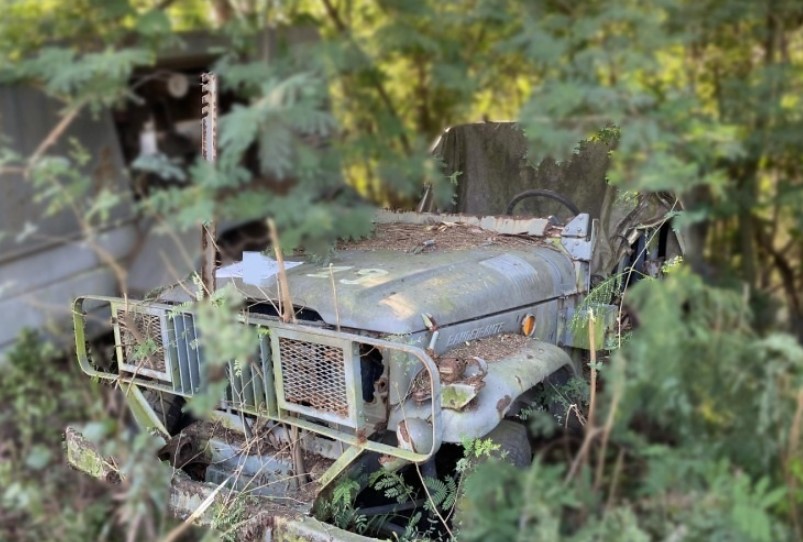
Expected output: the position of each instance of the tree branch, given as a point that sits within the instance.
(375, 81)
(54, 134)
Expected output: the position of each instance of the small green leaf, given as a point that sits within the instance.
(39, 457)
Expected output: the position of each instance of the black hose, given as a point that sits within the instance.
(390, 508)
(542, 193)
(429, 469)
(390, 529)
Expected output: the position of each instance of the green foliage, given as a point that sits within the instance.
(701, 99)
(299, 177)
(498, 498)
(704, 102)
(341, 506)
(42, 394)
(143, 509)
(711, 498)
(502, 504)
(340, 509)
(739, 401)
(439, 495)
(476, 451)
(227, 517)
(707, 443)
(442, 493)
(39, 397)
(96, 79)
(554, 404)
(28, 25)
(224, 340)
(393, 485)
(62, 185)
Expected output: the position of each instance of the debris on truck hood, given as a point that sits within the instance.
(387, 292)
(379, 287)
(448, 235)
(491, 348)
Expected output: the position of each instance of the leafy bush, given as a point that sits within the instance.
(701, 439)
(40, 396)
(41, 497)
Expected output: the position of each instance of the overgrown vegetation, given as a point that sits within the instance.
(42, 498)
(694, 430)
(695, 438)
(420, 506)
(37, 403)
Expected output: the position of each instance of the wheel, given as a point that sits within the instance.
(167, 407)
(514, 444)
(559, 397)
(542, 193)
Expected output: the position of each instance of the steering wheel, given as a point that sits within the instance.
(541, 193)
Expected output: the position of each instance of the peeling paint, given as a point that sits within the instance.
(457, 396)
(403, 433)
(502, 405)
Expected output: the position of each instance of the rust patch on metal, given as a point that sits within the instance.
(314, 375)
(451, 369)
(405, 434)
(361, 438)
(502, 404)
(421, 389)
(385, 459)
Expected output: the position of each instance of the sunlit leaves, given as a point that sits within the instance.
(285, 112)
(160, 165)
(224, 339)
(98, 79)
(154, 23)
(705, 375)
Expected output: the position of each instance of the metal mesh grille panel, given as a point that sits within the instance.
(314, 376)
(141, 338)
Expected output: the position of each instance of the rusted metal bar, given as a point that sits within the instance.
(209, 153)
(264, 518)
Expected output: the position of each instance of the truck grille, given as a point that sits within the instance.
(157, 344)
(296, 371)
(250, 381)
(314, 376)
(142, 341)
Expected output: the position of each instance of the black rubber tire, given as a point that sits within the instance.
(167, 407)
(514, 443)
(542, 193)
(559, 410)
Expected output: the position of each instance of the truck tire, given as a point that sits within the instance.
(559, 408)
(513, 442)
(167, 407)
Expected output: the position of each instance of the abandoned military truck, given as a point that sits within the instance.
(438, 329)
(383, 354)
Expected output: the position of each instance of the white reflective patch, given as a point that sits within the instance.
(366, 276)
(330, 270)
(256, 268)
(509, 265)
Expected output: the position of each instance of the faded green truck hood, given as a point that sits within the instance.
(387, 291)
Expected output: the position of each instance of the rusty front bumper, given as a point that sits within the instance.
(266, 519)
